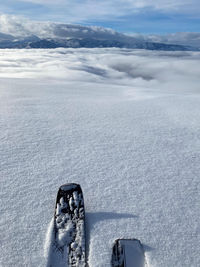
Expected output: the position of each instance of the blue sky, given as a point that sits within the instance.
(141, 16)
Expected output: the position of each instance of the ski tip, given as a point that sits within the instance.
(68, 190)
(69, 187)
(134, 241)
(128, 252)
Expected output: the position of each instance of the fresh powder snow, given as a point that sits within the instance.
(125, 125)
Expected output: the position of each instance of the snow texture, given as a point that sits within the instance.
(122, 123)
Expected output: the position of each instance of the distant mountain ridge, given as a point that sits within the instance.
(54, 35)
(35, 42)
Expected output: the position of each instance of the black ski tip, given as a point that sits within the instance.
(67, 190)
(128, 253)
(69, 187)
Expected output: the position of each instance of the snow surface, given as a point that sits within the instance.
(125, 125)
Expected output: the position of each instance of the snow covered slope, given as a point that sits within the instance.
(125, 125)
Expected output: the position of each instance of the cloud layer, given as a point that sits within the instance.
(168, 71)
(93, 8)
(22, 27)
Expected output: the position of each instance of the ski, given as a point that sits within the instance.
(68, 242)
(128, 253)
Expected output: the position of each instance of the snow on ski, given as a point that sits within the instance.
(128, 253)
(67, 247)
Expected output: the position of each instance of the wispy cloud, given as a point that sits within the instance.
(123, 5)
(20, 26)
(86, 10)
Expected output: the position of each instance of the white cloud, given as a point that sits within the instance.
(180, 38)
(14, 25)
(21, 27)
(88, 9)
(137, 69)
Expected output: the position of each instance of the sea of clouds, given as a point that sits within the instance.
(135, 68)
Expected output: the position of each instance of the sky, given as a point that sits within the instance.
(139, 16)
